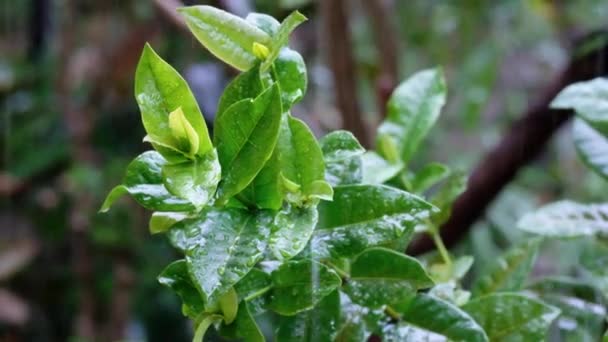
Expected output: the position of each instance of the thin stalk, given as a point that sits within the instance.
(258, 293)
(441, 247)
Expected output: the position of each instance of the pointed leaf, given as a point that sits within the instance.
(228, 37)
(160, 90)
(318, 324)
(342, 154)
(290, 71)
(176, 277)
(430, 175)
(512, 317)
(300, 285)
(116, 193)
(247, 85)
(264, 22)
(432, 314)
(510, 270)
(245, 136)
(413, 109)
(592, 147)
(567, 219)
(221, 246)
(362, 216)
(160, 221)
(377, 170)
(195, 180)
(265, 191)
(381, 276)
(292, 229)
(589, 99)
(183, 132)
(282, 36)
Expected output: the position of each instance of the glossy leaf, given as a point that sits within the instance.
(448, 192)
(440, 317)
(512, 317)
(430, 175)
(160, 221)
(144, 182)
(290, 72)
(592, 147)
(357, 322)
(299, 285)
(228, 37)
(341, 152)
(413, 109)
(265, 191)
(176, 277)
(282, 36)
(292, 229)
(244, 327)
(318, 324)
(160, 90)
(228, 304)
(245, 136)
(247, 85)
(377, 170)
(510, 270)
(221, 247)
(362, 216)
(381, 276)
(567, 219)
(589, 99)
(301, 158)
(264, 22)
(195, 180)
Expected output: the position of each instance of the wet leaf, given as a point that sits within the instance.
(362, 216)
(380, 276)
(177, 278)
(430, 175)
(592, 147)
(195, 180)
(160, 90)
(243, 328)
(510, 270)
(290, 72)
(413, 109)
(292, 229)
(318, 324)
(160, 221)
(564, 219)
(299, 285)
(264, 22)
(511, 316)
(144, 182)
(245, 136)
(228, 37)
(342, 154)
(247, 85)
(282, 36)
(221, 247)
(589, 99)
(377, 170)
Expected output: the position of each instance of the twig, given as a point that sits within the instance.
(522, 143)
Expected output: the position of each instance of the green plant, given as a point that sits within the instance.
(309, 234)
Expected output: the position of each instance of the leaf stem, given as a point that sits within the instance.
(392, 313)
(258, 293)
(441, 247)
(338, 270)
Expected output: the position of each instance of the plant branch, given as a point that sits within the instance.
(520, 145)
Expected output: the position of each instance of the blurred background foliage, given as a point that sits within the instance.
(70, 125)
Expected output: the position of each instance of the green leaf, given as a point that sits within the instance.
(228, 37)
(448, 192)
(244, 327)
(247, 85)
(357, 322)
(361, 216)
(264, 22)
(605, 339)
(177, 278)
(229, 304)
(594, 261)
(221, 246)
(160, 90)
(245, 136)
(183, 132)
(144, 182)
(512, 317)
(565, 219)
(592, 147)
(292, 229)
(431, 314)
(300, 285)
(116, 193)
(301, 158)
(589, 99)
(202, 324)
(413, 109)
(318, 324)
(252, 284)
(342, 154)
(567, 286)
(195, 180)
(282, 36)
(160, 221)
(430, 175)
(265, 191)
(381, 276)
(290, 72)
(377, 170)
(510, 270)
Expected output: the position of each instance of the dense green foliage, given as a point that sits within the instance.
(271, 221)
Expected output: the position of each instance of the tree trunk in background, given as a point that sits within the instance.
(342, 63)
